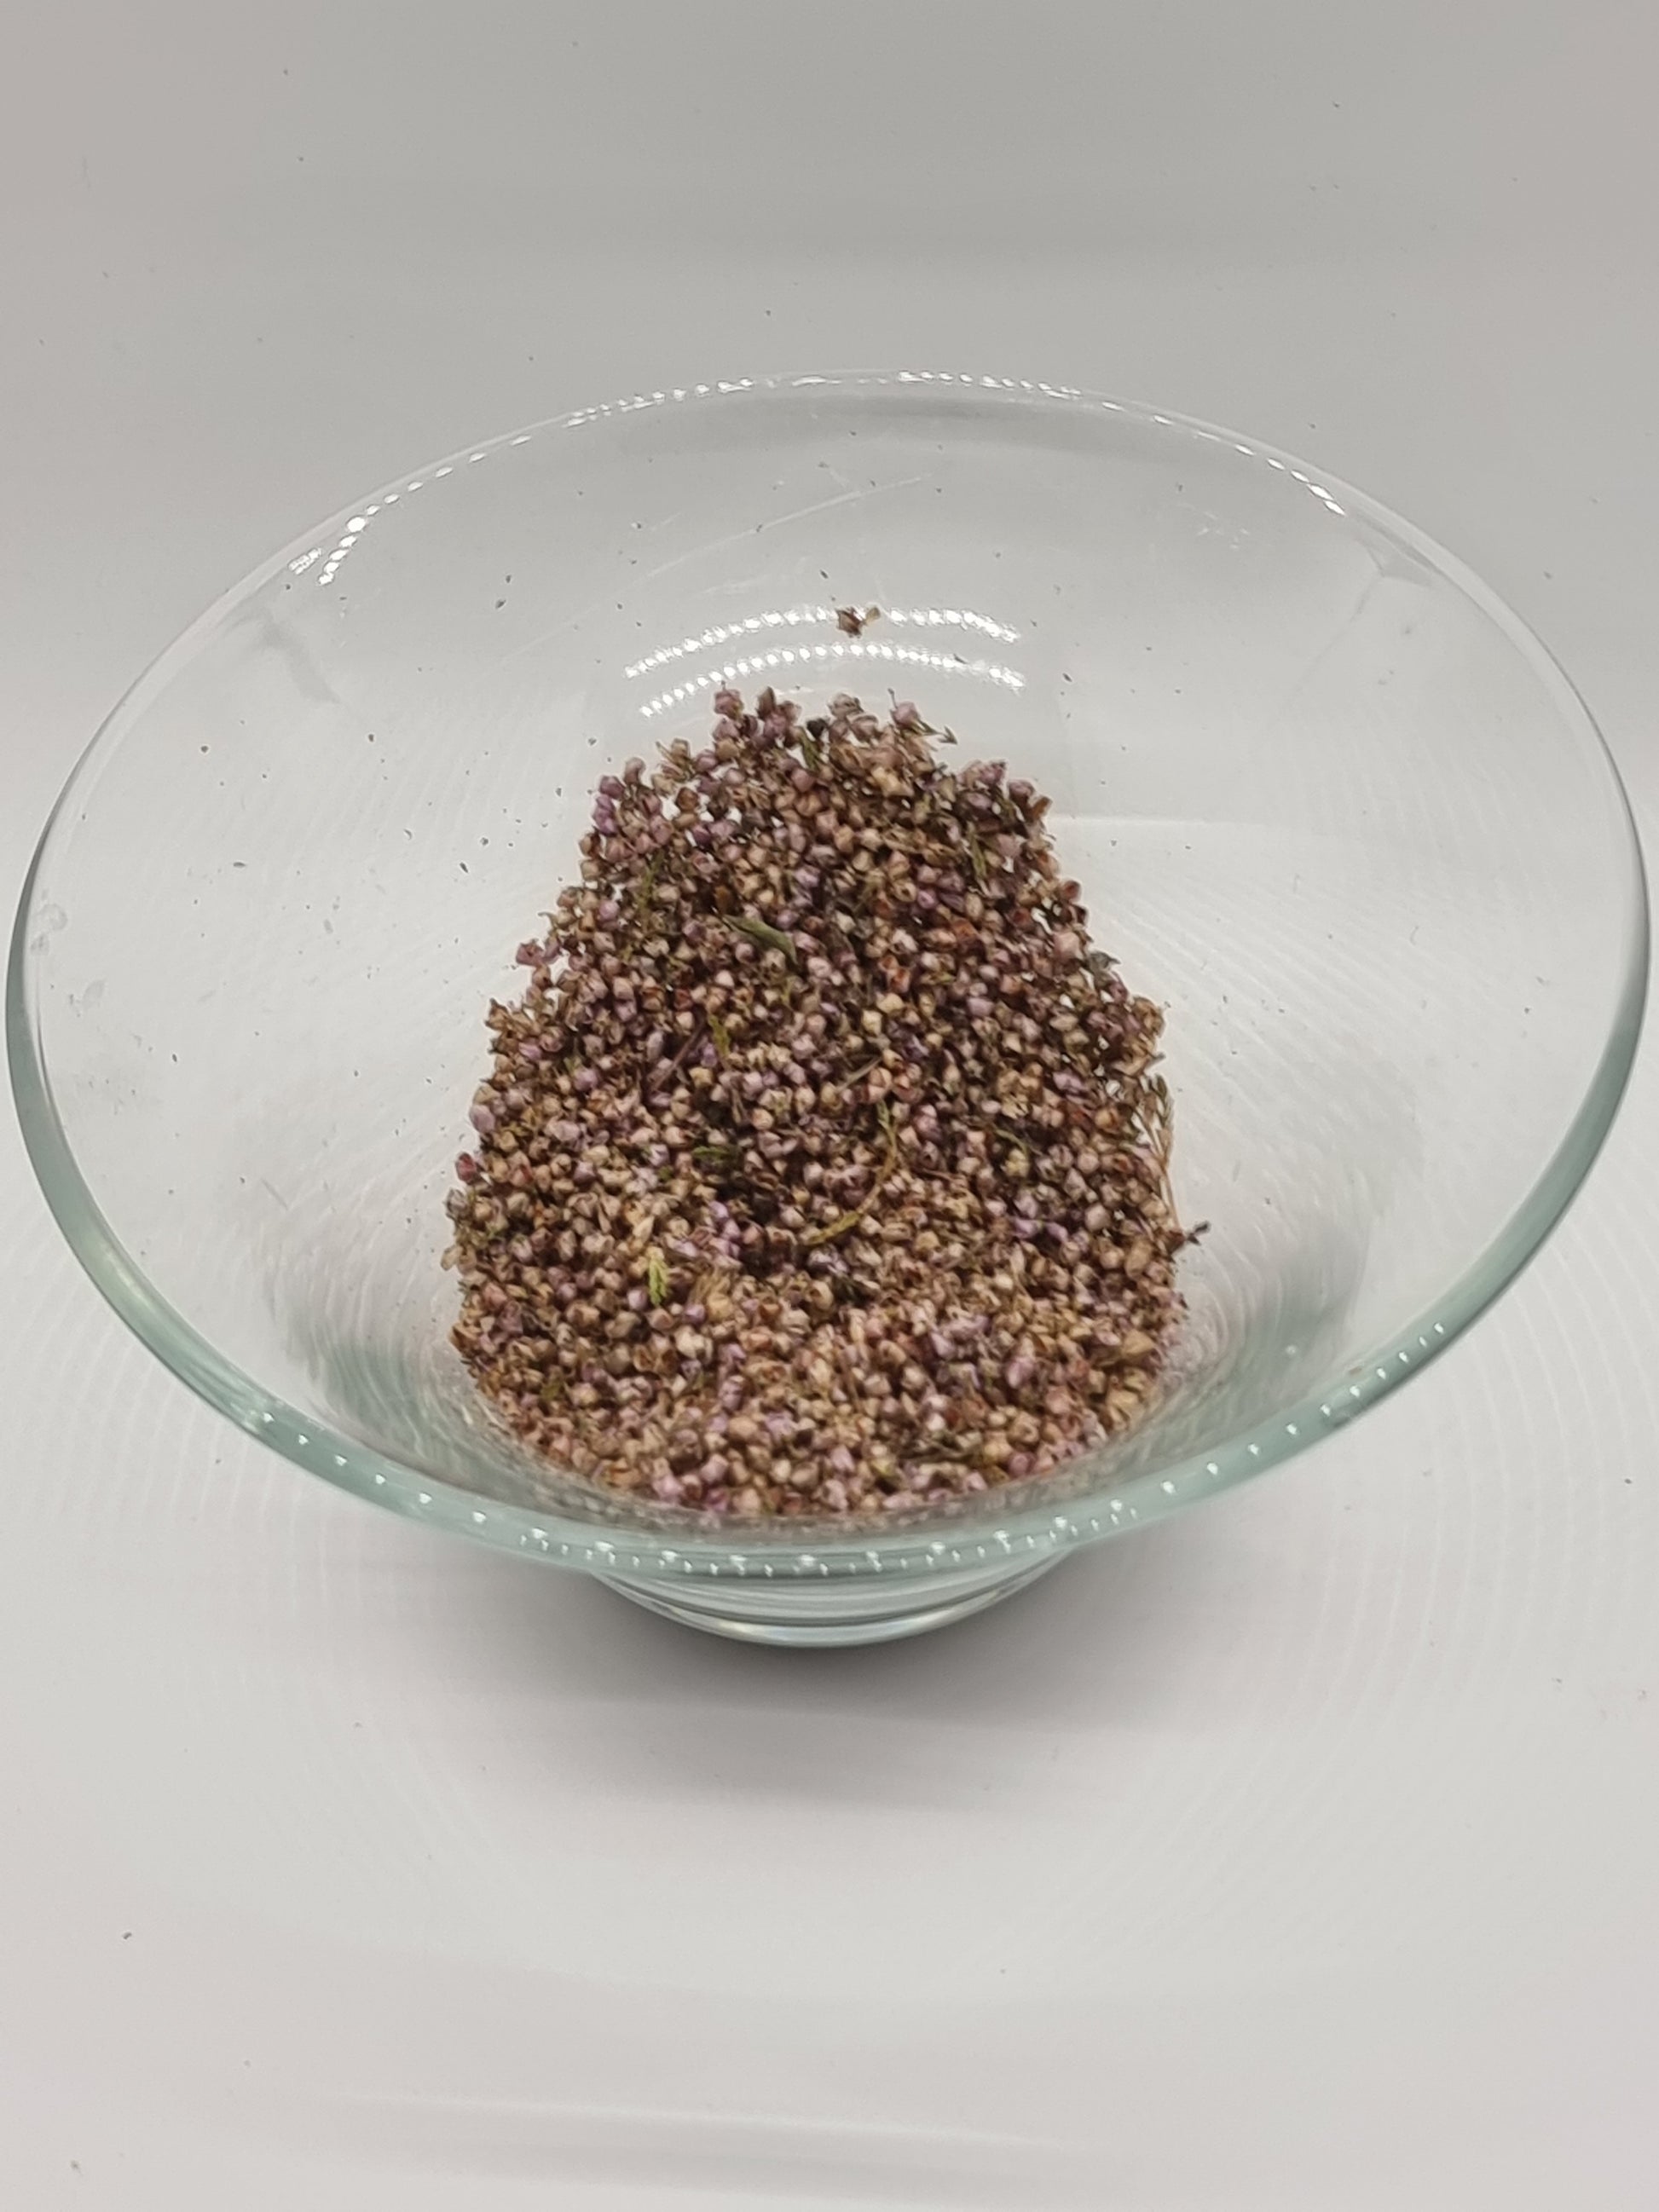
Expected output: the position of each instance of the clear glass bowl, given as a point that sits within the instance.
(1330, 803)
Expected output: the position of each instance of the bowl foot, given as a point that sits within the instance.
(804, 1617)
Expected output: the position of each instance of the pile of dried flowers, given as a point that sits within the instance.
(823, 1167)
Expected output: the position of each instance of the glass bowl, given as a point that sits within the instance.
(1330, 801)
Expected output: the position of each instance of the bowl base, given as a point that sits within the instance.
(806, 1619)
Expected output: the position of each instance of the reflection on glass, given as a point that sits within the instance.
(792, 617)
(788, 656)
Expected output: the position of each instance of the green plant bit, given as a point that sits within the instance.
(762, 933)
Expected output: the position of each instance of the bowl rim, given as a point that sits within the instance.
(1002, 1526)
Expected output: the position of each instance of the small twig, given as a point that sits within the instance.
(686, 1051)
(851, 1220)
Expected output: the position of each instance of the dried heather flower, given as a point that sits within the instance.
(822, 1166)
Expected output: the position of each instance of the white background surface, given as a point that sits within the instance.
(1301, 1854)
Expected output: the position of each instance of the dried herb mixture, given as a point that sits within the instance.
(823, 1167)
